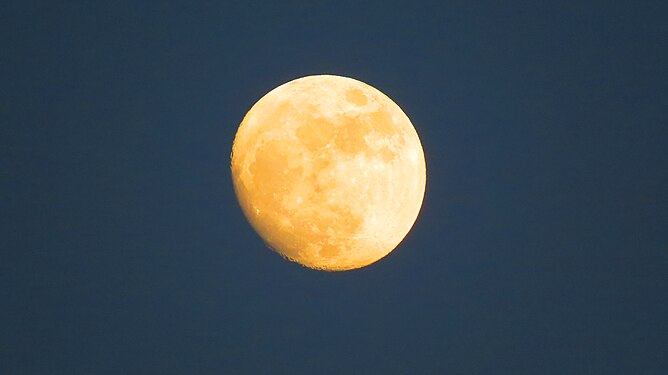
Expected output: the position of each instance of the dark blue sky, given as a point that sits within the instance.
(542, 246)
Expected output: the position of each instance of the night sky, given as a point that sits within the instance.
(541, 248)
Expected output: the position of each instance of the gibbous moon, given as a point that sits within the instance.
(329, 171)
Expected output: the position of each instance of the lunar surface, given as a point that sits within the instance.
(329, 171)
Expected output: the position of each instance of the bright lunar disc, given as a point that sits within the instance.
(329, 171)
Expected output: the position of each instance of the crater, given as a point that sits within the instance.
(315, 134)
(329, 251)
(350, 136)
(281, 111)
(381, 122)
(386, 154)
(356, 97)
(270, 170)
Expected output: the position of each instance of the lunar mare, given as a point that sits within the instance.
(329, 171)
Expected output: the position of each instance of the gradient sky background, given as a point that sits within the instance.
(542, 246)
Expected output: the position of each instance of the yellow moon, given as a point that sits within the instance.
(329, 171)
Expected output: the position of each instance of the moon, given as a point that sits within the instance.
(329, 172)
